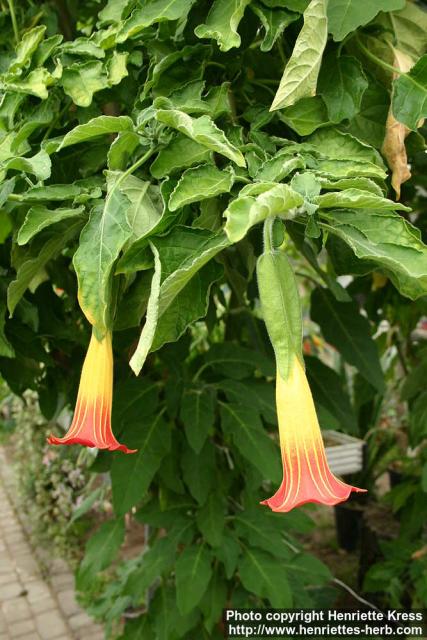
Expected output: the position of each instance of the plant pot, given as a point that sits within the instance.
(348, 521)
(343, 452)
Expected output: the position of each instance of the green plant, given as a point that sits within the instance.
(140, 153)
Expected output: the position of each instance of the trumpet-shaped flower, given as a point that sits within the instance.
(306, 474)
(91, 425)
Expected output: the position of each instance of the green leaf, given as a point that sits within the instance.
(39, 165)
(424, 478)
(236, 362)
(200, 183)
(346, 329)
(261, 574)
(222, 21)
(151, 11)
(299, 79)
(87, 504)
(258, 395)
(59, 192)
(199, 471)
(387, 240)
(279, 166)
(33, 265)
(342, 84)
(251, 439)
(356, 199)
(180, 152)
(116, 67)
(255, 203)
(408, 29)
(211, 519)
(40, 217)
(409, 100)
(185, 252)
(131, 475)
(81, 81)
(364, 184)
(146, 209)
(197, 415)
(281, 307)
(336, 145)
(306, 115)
(329, 392)
(274, 23)
(193, 572)
(25, 49)
(345, 16)
(6, 349)
(82, 47)
(369, 124)
(102, 548)
(263, 531)
(228, 553)
(202, 130)
(214, 601)
(158, 559)
(96, 127)
(35, 83)
(100, 244)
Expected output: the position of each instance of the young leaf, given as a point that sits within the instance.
(25, 49)
(81, 81)
(200, 183)
(268, 199)
(222, 22)
(193, 572)
(151, 11)
(39, 165)
(345, 16)
(344, 327)
(299, 79)
(357, 199)
(180, 152)
(40, 217)
(96, 127)
(202, 130)
(274, 22)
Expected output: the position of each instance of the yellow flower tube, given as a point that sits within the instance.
(91, 425)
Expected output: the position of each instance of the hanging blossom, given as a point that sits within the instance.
(306, 474)
(91, 425)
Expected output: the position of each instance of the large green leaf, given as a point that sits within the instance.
(345, 16)
(31, 267)
(263, 531)
(131, 474)
(344, 327)
(211, 519)
(98, 126)
(257, 202)
(408, 28)
(299, 79)
(389, 241)
(306, 115)
(102, 547)
(158, 559)
(251, 439)
(146, 208)
(100, 244)
(409, 102)
(342, 84)
(200, 183)
(202, 130)
(26, 48)
(182, 254)
(222, 22)
(151, 11)
(263, 575)
(193, 572)
(198, 471)
(328, 392)
(40, 217)
(38, 165)
(197, 415)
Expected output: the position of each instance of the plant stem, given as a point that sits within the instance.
(13, 18)
(377, 60)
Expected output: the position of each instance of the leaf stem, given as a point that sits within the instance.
(267, 233)
(377, 60)
(13, 18)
